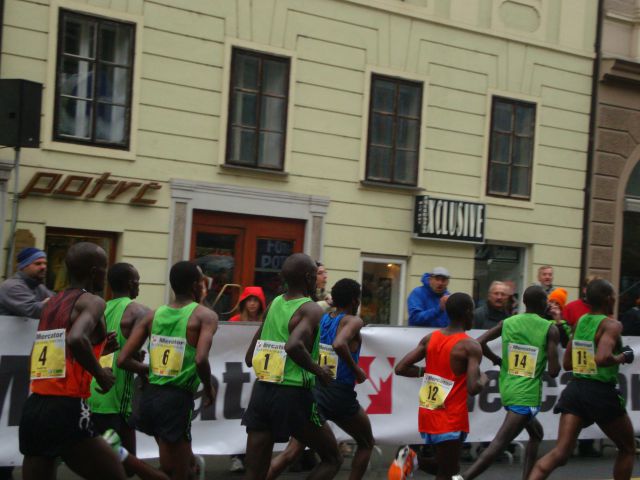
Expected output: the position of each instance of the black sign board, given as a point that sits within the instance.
(453, 220)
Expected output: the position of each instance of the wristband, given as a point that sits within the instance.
(420, 372)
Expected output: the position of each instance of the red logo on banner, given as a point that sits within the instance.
(380, 373)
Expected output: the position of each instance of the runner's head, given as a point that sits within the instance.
(124, 280)
(185, 278)
(535, 300)
(601, 296)
(460, 310)
(299, 273)
(86, 266)
(346, 295)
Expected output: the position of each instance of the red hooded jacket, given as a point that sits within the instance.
(250, 292)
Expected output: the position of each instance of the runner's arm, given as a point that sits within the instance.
(407, 366)
(208, 328)
(90, 312)
(127, 359)
(301, 336)
(608, 340)
(133, 314)
(348, 332)
(567, 363)
(248, 357)
(553, 360)
(485, 338)
(476, 380)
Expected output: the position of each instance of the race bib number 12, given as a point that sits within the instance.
(48, 355)
(522, 360)
(583, 357)
(268, 361)
(328, 358)
(434, 391)
(167, 354)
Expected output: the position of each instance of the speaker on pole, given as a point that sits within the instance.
(20, 103)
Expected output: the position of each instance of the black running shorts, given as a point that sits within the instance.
(51, 424)
(165, 412)
(282, 409)
(592, 401)
(336, 401)
(105, 421)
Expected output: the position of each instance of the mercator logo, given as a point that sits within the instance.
(378, 391)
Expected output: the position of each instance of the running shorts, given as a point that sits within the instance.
(435, 438)
(51, 424)
(105, 421)
(165, 412)
(281, 409)
(592, 401)
(529, 412)
(336, 401)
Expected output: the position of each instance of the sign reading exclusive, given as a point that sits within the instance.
(442, 219)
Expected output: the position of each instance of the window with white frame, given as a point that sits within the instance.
(382, 290)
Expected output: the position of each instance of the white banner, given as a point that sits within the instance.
(390, 401)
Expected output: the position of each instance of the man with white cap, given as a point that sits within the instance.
(427, 303)
(24, 294)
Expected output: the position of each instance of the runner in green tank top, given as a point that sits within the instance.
(594, 354)
(528, 342)
(284, 356)
(181, 334)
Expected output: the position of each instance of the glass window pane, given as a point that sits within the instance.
(407, 134)
(499, 179)
(78, 37)
(520, 181)
(382, 129)
(380, 292)
(522, 151)
(74, 118)
(272, 114)
(111, 123)
(409, 100)
(113, 84)
(246, 71)
(270, 150)
(242, 147)
(274, 77)
(115, 43)
(500, 148)
(633, 186)
(405, 167)
(383, 95)
(502, 116)
(244, 109)
(379, 164)
(524, 119)
(270, 255)
(76, 78)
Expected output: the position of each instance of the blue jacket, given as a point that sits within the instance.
(424, 306)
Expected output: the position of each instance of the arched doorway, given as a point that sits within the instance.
(630, 255)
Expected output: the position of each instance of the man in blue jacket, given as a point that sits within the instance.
(426, 303)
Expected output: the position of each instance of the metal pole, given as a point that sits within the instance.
(14, 213)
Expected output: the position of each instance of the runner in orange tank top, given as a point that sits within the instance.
(452, 371)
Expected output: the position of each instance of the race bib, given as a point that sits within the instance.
(268, 361)
(48, 355)
(583, 357)
(106, 361)
(167, 354)
(522, 360)
(434, 391)
(328, 358)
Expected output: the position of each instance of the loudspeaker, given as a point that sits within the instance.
(20, 102)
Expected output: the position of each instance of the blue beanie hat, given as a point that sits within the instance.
(29, 255)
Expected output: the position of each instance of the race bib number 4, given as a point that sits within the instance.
(268, 361)
(328, 358)
(167, 354)
(48, 355)
(434, 391)
(106, 361)
(522, 360)
(583, 357)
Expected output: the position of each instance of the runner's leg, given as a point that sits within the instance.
(142, 469)
(38, 468)
(323, 442)
(259, 450)
(536, 434)
(620, 431)
(175, 459)
(448, 458)
(359, 427)
(93, 458)
(284, 459)
(568, 431)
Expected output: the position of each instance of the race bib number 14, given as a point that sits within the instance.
(268, 361)
(48, 355)
(522, 360)
(167, 354)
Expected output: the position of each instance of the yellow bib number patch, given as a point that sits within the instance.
(268, 361)
(583, 357)
(434, 391)
(106, 361)
(522, 360)
(167, 354)
(328, 358)
(48, 355)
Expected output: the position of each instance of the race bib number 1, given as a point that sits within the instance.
(583, 357)
(48, 355)
(328, 358)
(167, 354)
(268, 361)
(522, 360)
(434, 391)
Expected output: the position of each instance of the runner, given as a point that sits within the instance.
(181, 335)
(528, 342)
(594, 354)
(56, 421)
(452, 371)
(340, 343)
(284, 355)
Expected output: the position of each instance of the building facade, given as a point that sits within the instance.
(382, 137)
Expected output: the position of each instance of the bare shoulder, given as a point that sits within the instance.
(90, 300)
(471, 346)
(611, 325)
(138, 309)
(353, 320)
(205, 315)
(311, 308)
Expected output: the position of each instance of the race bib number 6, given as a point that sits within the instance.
(268, 361)
(583, 357)
(167, 354)
(48, 355)
(434, 391)
(522, 360)
(328, 358)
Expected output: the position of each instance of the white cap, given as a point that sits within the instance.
(440, 272)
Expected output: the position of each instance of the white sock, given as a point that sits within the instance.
(122, 454)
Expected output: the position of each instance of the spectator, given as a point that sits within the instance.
(545, 278)
(494, 310)
(426, 303)
(556, 302)
(511, 304)
(252, 305)
(631, 320)
(574, 310)
(24, 294)
(322, 297)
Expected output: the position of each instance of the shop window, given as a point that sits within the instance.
(511, 148)
(382, 291)
(93, 80)
(57, 244)
(393, 141)
(257, 110)
(499, 263)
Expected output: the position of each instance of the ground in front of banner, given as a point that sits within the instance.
(577, 469)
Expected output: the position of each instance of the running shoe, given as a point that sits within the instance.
(403, 465)
(199, 467)
(236, 465)
(113, 440)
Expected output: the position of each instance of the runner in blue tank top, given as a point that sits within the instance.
(340, 343)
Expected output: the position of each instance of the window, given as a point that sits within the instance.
(257, 110)
(394, 131)
(500, 263)
(93, 81)
(511, 149)
(382, 291)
